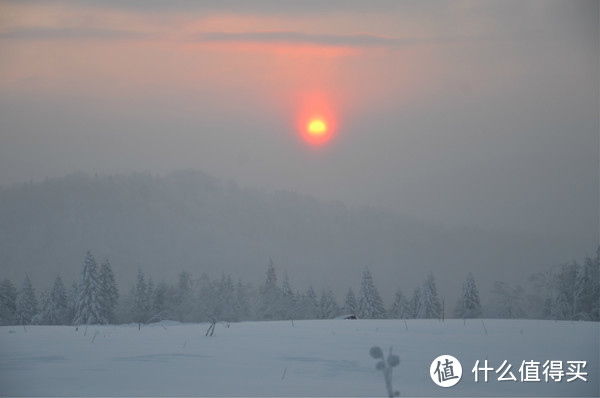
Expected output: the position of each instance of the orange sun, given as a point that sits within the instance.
(317, 128)
(316, 120)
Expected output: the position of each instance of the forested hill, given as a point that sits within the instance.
(190, 221)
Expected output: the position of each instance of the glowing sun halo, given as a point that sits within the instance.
(317, 128)
(316, 121)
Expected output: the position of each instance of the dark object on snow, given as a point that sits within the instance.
(386, 365)
(350, 316)
(211, 328)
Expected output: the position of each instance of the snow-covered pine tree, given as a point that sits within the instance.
(150, 289)
(159, 300)
(71, 303)
(46, 315)
(288, 299)
(58, 295)
(370, 305)
(271, 281)
(182, 302)
(468, 305)
(109, 293)
(430, 306)
(54, 305)
(286, 289)
(149, 298)
(8, 303)
(308, 307)
(508, 302)
(270, 296)
(87, 307)
(242, 301)
(561, 296)
(328, 306)
(27, 304)
(230, 312)
(350, 305)
(582, 282)
(593, 297)
(224, 308)
(139, 302)
(415, 303)
(586, 292)
(400, 307)
(207, 307)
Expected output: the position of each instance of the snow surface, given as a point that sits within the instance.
(306, 358)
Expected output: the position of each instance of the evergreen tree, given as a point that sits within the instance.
(46, 315)
(561, 293)
(207, 308)
(288, 299)
(229, 298)
(328, 305)
(508, 302)
(27, 304)
(88, 307)
(370, 305)
(593, 295)
(271, 281)
(400, 307)
(286, 289)
(350, 305)
(587, 291)
(468, 305)
(415, 303)
(54, 305)
(139, 302)
(72, 303)
(309, 306)
(571, 291)
(109, 293)
(224, 308)
(270, 306)
(149, 298)
(181, 301)
(59, 299)
(8, 303)
(159, 300)
(430, 306)
(242, 301)
(184, 281)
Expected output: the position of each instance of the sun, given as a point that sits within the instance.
(317, 120)
(316, 127)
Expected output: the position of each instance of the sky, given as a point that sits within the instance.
(463, 113)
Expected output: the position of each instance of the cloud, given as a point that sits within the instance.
(258, 7)
(37, 33)
(265, 37)
(353, 40)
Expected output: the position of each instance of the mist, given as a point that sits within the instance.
(477, 124)
(191, 222)
(261, 198)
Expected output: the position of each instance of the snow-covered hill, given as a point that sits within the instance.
(303, 358)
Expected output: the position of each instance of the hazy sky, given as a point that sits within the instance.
(477, 113)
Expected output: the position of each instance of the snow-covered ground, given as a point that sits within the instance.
(306, 358)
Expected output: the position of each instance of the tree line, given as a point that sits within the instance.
(569, 291)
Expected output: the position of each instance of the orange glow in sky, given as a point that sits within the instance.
(316, 120)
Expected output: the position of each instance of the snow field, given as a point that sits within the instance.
(308, 358)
